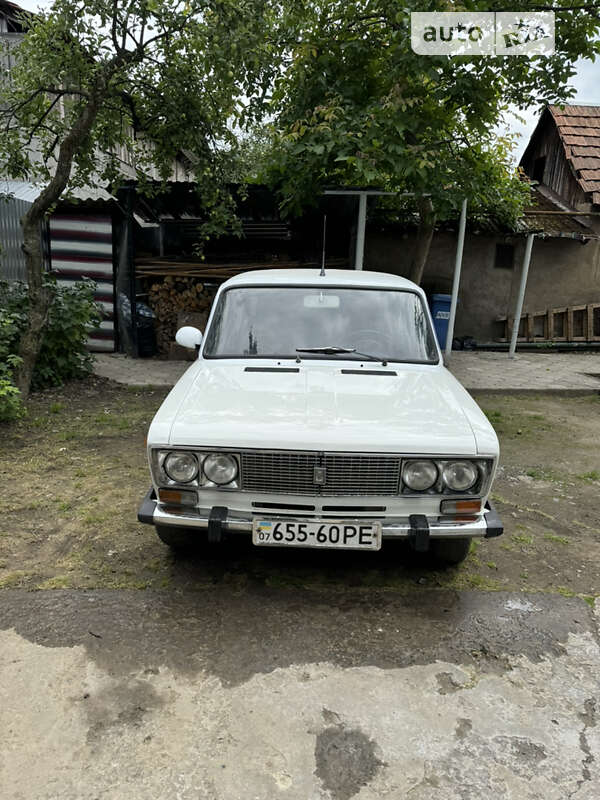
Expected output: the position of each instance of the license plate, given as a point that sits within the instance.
(336, 535)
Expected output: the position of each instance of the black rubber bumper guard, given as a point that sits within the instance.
(419, 535)
(146, 510)
(419, 527)
(216, 518)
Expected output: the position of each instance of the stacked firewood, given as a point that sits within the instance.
(173, 295)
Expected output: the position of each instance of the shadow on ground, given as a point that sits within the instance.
(235, 632)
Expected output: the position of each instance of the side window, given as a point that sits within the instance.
(505, 256)
(539, 167)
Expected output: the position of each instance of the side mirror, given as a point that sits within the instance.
(188, 337)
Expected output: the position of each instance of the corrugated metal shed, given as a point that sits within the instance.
(12, 259)
(15, 199)
(22, 190)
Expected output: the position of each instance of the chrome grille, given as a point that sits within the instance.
(345, 474)
(356, 475)
(279, 473)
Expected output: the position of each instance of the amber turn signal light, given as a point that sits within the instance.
(177, 497)
(460, 506)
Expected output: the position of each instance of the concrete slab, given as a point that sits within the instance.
(557, 373)
(560, 373)
(138, 371)
(267, 694)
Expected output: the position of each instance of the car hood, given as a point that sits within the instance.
(420, 409)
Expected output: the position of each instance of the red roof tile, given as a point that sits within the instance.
(579, 130)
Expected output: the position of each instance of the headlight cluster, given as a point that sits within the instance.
(439, 476)
(181, 467)
(220, 468)
(196, 469)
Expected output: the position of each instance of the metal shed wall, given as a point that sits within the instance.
(12, 258)
(81, 246)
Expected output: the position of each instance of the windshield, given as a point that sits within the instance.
(275, 322)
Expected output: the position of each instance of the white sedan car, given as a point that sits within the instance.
(319, 414)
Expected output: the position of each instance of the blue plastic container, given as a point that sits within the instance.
(440, 311)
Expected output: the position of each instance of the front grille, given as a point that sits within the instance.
(367, 475)
(294, 473)
(279, 473)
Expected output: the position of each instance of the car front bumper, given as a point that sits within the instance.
(219, 520)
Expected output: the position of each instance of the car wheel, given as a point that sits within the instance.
(177, 538)
(452, 551)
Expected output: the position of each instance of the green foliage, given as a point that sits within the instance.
(158, 81)
(10, 397)
(63, 355)
(356, 106)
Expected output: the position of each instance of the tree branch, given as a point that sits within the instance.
(40, 121)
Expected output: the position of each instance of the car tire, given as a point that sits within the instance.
(177, 538)
(451, 551)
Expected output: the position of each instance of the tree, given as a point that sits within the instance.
(94, 78)
(356, 106)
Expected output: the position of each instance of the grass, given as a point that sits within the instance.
(78, 463)
(590, 477)
(565, 592)
(58, 582)
(544, 474)
(522, 538)
(553, 537)
(495, 417)
(13, 578)
(482, 582)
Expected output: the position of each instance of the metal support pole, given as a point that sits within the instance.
(457, 270)
(360, 230)
(521, 297)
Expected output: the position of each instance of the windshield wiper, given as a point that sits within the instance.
(332, 351)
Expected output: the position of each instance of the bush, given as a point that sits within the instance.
(63, 355)
(10, 397)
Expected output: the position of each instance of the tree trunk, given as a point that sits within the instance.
(39, 295)
(39, 302)
(424, 237)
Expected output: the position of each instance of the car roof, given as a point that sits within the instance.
(312, 277)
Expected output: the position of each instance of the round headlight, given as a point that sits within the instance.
(419, 475)
(459, 475)
(220, 468)
(181, 467)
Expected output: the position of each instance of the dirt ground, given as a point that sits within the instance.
(74, 472)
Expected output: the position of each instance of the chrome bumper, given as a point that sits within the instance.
(218, 520)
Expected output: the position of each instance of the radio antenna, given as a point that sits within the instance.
(322, 273)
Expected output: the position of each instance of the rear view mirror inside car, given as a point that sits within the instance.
(321, 300)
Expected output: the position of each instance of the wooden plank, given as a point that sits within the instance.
(577, 314)
(557, 313)
(544, 316)
(594, 321)
(530, 334)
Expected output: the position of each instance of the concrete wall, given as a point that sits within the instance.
(562, 272)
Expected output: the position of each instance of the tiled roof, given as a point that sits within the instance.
(557, 224)
(579, 130)
(14, 15)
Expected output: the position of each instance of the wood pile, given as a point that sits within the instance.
(175, 286)
(168, 297)
(158, 267)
